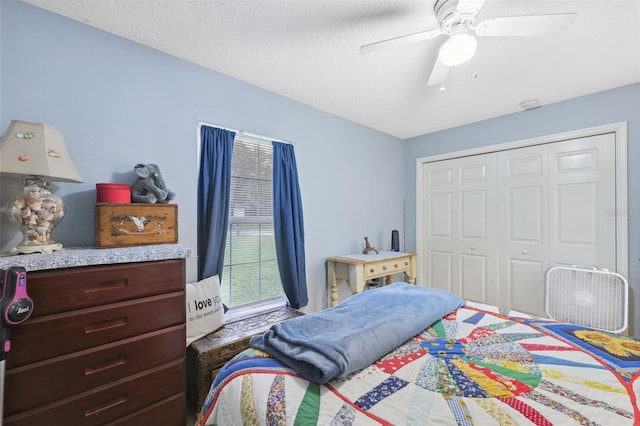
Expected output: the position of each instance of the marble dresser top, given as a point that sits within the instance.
(86, 256)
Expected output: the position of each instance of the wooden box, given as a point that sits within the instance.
(135, 224)
(208, 354)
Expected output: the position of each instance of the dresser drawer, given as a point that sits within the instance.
(387, 267)
(54, 335)
(46, 381)
(68, 289)
(108, 403)
(168, 412)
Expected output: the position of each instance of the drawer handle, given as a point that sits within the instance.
(406, 263)
(121, 359)
(395, 265)
(384, 268)
(105, 285)
(372, 270)
(106, 325)
(110, 404)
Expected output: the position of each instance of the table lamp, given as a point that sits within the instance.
(37, 153)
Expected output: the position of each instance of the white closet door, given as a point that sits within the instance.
(582, 202)
(556, 202)
(438, 223)
(494, 223)
(523, 248)
(460, 224)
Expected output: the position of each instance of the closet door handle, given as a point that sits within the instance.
(472, 247)
(524, 252)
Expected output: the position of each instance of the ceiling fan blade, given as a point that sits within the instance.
(398, 41)
(525, 26)
(469, 7)
(438, 73)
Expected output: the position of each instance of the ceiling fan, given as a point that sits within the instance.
(456, 19)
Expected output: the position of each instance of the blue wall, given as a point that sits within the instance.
(611, 106)
(119, 103)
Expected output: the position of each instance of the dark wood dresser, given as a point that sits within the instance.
(105, 345)
(207, 355)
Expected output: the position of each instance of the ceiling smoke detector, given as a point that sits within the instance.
(530, 104)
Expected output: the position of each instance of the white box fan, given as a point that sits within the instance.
(587, 296)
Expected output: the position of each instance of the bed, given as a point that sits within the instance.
(474, 365)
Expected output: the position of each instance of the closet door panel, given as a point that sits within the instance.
(440, 267)
(440, 204)
(440, 220)
(522, 203)
(476, 262)
(473, 277)
(582, 226)
(475, 244)
(524, 277)
(473, 218)
(459, 225)
(576, 213)
(525, 216)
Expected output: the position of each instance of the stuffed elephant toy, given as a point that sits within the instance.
(150, 186)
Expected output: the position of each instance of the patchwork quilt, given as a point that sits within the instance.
(477, 366)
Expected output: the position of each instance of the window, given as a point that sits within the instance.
(250, 275)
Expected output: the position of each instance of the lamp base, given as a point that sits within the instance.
(44, 249)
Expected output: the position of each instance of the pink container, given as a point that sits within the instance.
(113, 193)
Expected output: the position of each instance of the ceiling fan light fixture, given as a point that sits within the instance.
(458, 49)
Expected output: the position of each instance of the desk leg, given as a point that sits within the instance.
(411, 273)
(356, 278)
(333, 284)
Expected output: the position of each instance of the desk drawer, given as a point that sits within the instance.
(55, 335)
(387, 267)
(107, 403)
(56, 291)
(43, 382)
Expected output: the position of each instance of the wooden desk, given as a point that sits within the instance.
(356, 269)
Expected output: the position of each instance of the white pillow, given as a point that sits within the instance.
(205, 312)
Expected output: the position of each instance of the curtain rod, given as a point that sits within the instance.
(255, 135)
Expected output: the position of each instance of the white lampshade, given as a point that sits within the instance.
(458, 49)
(36, 149)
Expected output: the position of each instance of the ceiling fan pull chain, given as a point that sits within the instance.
(442, 88)
(475, 69)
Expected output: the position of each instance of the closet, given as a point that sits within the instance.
(491, 224)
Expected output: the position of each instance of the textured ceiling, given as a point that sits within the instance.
(308, 51)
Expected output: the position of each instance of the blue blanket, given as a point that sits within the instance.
(353, 334)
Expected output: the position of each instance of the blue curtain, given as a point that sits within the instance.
(214, 187)
(289, 225)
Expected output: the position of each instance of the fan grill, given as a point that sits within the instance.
(590, 297)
